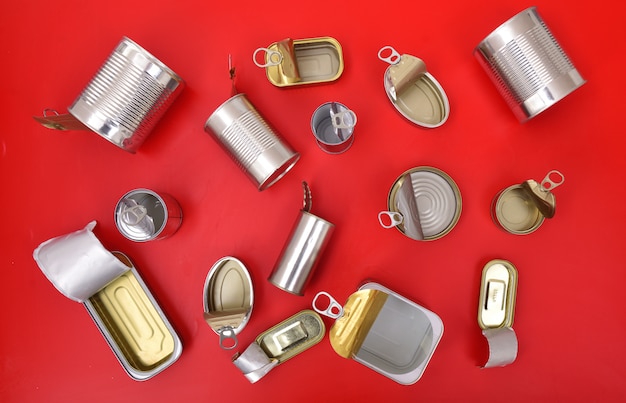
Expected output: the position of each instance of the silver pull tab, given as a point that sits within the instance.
(343, 119)
(552, 180)
(134, 214)
(54, 120)
(394, 217)
(227, 333)
(333, 310)
(393, 58)
(273, 58)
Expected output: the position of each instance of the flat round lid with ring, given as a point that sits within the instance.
(428, 202)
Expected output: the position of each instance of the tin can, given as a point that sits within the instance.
(292, 62)
(527, 65)
(332, 125)
(384, 331)
(127, 96)
(424, 204)
(251, 142)
(306, 243)
(144, 215)
(521, 209)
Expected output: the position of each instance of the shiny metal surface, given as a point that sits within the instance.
(144, 215)
(250, 141)
(128, 96)
(333, 124)
(498, 289)
(228, 298)
(527, 65)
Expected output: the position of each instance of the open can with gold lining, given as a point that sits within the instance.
(301, 61)
(117, 299)
(521, 209)
(384, 331)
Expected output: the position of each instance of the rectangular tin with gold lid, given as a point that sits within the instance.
(302, 61)
(384, 331)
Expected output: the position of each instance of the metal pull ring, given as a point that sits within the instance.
(343, 119)
(227, 333)
(133, 215)
(548, 184)
(394, 217)
(333, 310)
(393, 58)
(274, 58)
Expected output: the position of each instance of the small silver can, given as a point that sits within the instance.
(143, 215)
(127, 97)
(306, 243)
(527, 65)
(250, 141)
(332, 125)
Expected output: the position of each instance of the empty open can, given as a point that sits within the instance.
(424, 204)
(521, 209)
(527, 65)
(144, 215)
(308, 240)
(333, 124)
(384, 331)
(127, 96)
(250, 141)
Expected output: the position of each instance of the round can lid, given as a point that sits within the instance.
(140, 215)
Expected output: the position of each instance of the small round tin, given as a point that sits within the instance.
(527, 65)
(521, 209)
(332, 125)
(127, 96)
(250, 141)
(424, 204)
(143, 215)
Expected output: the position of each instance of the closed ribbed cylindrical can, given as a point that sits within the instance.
(527, 65)
(127, 96)
(250, 141)
(307, 241)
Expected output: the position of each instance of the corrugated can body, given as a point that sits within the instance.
(127, 96)
(527, 65)
(307, 241)
(250, 141)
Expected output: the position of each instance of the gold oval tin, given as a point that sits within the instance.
(498, 289)
(305, 61)
(431, 190)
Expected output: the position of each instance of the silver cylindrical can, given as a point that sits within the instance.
(250, 141)
(332, 125)
(143, 215)
(309, 237)
(127, 96)
(527, 65)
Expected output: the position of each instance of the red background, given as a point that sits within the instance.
(570, 317)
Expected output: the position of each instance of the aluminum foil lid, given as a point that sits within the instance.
(77, 264)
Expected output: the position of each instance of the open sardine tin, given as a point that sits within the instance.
(115, 296)
(302, 61)
(385, 332)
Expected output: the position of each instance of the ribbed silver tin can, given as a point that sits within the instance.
(527, 65)
(127, 96)
(250, 141)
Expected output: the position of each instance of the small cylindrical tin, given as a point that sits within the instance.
(333, 124)
(309, 237)
(513, 211)
(527, 65)
(143, 215)
(127, 96)
(250, 141)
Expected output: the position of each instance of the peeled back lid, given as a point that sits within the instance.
(540, 193)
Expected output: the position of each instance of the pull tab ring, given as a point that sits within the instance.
(227, 333)
(274, 58)
(133, 215)
(394, 58)
(343, 119)
(394, 217)
(333, 310)
(548, 184)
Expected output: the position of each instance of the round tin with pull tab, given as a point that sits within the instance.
(228, 298)
(424, 204)
(383, 331)
(521, 209)
(143, 215)
(332, 125)
(414, 92)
